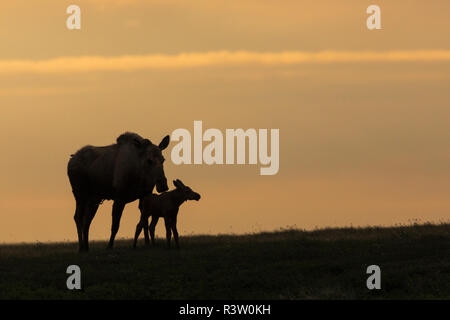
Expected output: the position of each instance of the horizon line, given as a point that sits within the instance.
(186, 60)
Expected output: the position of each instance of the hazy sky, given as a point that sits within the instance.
(363, 115)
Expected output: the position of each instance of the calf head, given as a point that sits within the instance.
(187, 192)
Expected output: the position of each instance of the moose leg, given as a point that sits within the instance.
(137, 233)
(173, 226)
(145, 226)
(142, 224)
(116, 215)
(89, 214)
(152, 228)
(168, 223)
(79, 222)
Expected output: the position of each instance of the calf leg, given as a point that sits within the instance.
(168, 222)
(152, 228)
(173, 226)
(117, 210)
(146, 236)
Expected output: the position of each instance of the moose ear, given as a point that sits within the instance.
(181, 182)
(137, 143)
(146, 143)
(175, 183)
(164, 142)
(141, 144)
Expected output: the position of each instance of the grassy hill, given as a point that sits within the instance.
(290, 264)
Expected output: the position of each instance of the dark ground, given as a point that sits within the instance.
(291, 264)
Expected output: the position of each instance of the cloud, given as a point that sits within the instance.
(211, 59)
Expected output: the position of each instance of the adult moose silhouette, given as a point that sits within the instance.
(122, 172)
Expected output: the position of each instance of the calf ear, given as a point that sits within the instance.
(164, 143)
(181, 182)
(175, 183)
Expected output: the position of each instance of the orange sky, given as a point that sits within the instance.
(363, 115)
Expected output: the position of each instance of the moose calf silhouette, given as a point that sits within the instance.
(164, 205)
